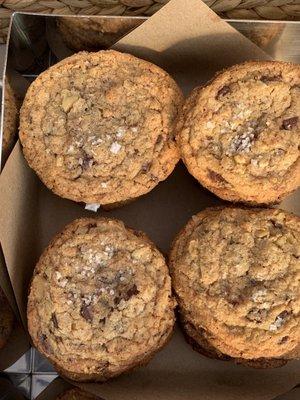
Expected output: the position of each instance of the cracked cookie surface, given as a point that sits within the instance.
(236, 274)
(240, 135)
(98, 127)
(100, 300)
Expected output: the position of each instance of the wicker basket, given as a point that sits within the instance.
(245, 9)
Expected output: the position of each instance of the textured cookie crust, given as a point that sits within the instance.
(236, 275)
(76, 394)
(98, 127)
(100, 300)
(239, 136)
(6, 319)
(10, 120)
(92, 33)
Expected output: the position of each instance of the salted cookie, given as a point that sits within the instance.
(100, 300)
(76, 394)
(6, 319)
(10, 120)
(239, 136)
(98, 127)
(236, 275)
(94, 33)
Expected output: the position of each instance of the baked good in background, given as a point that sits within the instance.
(10, 120)
(100, 301)
(76, 394)
(94, 33)
(239, 135)
(236, 276)
(99, 127)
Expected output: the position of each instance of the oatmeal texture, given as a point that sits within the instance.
(10, 120)
(98, 127)
(100, 300)
(76, 394)
(6, 319)
(240, 135)
(236, 274)
(92, 33)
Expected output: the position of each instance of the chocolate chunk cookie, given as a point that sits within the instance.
(98, 127)
(6, 319)
(236, 274)
(94, 33)
(76, 394)
(10, 120)
(239, 136)
(100, 301)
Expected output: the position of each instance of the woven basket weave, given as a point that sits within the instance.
(246, 9)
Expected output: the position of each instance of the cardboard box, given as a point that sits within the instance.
(191, 42)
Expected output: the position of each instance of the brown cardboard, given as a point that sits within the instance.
(191, 42)
(18, 341)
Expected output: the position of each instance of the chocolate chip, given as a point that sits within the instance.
(253, 282)
(131, 292)
(146, 167)
(236, 299)
(117, 300)
(266, 78)
(102, 320)
(44, 343)
(223, 91)
(87, 161)
(54, 321)
(214, 176)
(283, 314)
(284, 339)
(276, 224)
(290, 123)
(159, 139)
(256, 315)
(86, 312)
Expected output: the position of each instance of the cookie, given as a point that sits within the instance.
(10, 120)
(76, 394)
(236, 275)
(94, 33)
(239, 136)
(99, 127)
(100, 300)
(6, 319)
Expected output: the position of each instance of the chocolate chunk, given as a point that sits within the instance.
(117, 300)
(86, 312)
(131, 292)
(290, 123)
(276, 224)
(284, 339)
(102, 320)
(223, 91)
(44, 343)
(146, 167)
(54, 321)
(283, 314)
(92, 225)
(214, 176)
(256, 315)
(87, 161)
(274, 78)
(159, 139)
